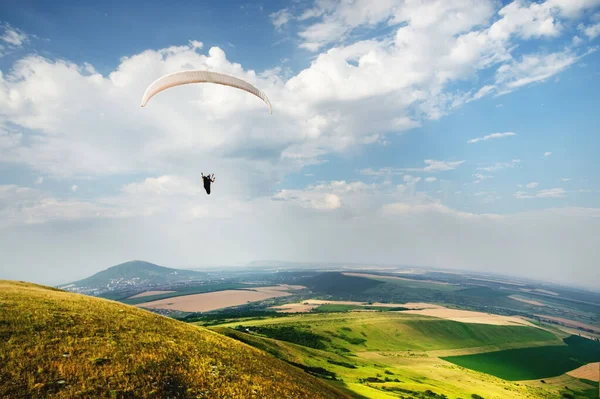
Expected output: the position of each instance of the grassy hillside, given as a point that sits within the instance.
(64, 345)
(395, 355)
(396, 331)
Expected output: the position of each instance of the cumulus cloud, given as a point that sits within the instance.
(547, 153)
(532, 185)
(491, 136)
(591, 31)
(350, 95)
(74, 187)
(430, 179)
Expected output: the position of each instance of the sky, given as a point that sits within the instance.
(455, 134)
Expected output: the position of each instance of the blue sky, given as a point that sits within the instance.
(374, 108)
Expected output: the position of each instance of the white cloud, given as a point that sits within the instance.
(491, 136)
(433, 166)
(395, 225)
(532, 185)
(339, 102)
(165, 185)
(565, 179)
(13, 36)
(39, 180)
(24, 206)
(501, 165)
(326, 196)
(74, 188)
(408, 179)
(195, 44)
(480, 177)
(9, 140)
(441, 166)
(549, 193)
(547, 153)
(534, 68)
(591, 31)
(280, 18)
(430, 179)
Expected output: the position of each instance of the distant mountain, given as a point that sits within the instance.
(135, 275)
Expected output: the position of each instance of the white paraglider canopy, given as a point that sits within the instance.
(200, 76)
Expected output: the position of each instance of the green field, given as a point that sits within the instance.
(333, 308)
(395, 331)
(533, 363)
(390, 354)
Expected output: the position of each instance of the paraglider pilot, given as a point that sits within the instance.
(207, 180)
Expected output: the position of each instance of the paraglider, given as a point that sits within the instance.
(207, 180)
(200, 76)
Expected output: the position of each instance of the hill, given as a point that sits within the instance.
(134, 275)
(395, 355)
(66, 345)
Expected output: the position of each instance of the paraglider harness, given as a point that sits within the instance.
(207, 180)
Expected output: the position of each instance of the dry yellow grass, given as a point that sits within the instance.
(64, 345)
(529, 301)
(570, 323)
(467, 316)
(215, 300)
(310, 304)
(589, 372)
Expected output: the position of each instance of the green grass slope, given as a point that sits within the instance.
(533, 363)
(64, 345)
(397, 331)
(393, 355)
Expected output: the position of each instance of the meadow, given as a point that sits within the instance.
(533, 363)
(395, 355)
